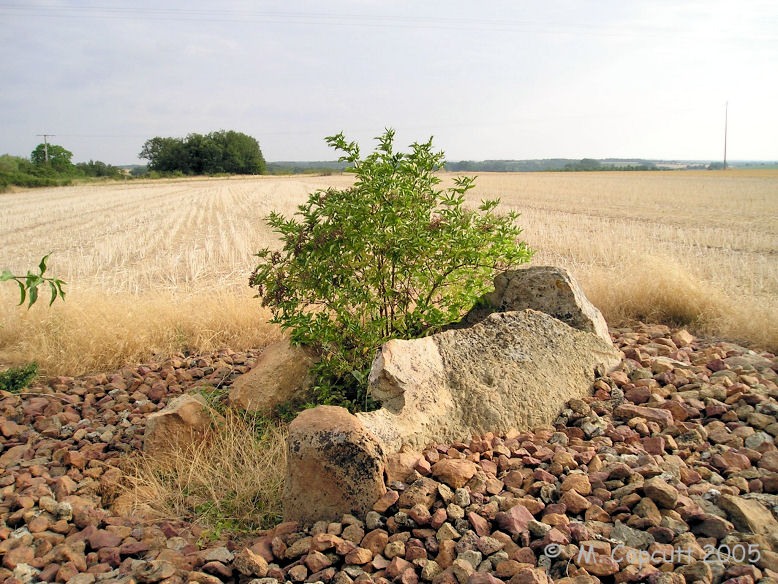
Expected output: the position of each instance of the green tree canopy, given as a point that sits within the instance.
(59, 157)
(213, 153)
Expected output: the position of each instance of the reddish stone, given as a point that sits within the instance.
(515, 520)
(654, 444)
(660, 416)
(480, 525)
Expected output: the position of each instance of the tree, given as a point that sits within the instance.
(240, 153)
(98, 168)
(394, 256)
(165, 154)
(59, 158)
(213, 153)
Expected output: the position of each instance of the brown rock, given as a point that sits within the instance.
(18, 555)
(596, 563)
(102, 538)
(249, 563)
(697, 572)
(483, 578)
(375, 541)
(748, 515)
(280, 375)
(358, 556)
(480, 525)
(577, 482)
(769, 461)
(661, 493)
(154, 571)
(316, 561)
(514, 521)
(575, 503)
(423, 490)
(330, 449)
(385, 501)
(629, 411)
(530, 576)
(183, 422)
(401, 464)
(298, 573)
(454, 471)
(682, 338)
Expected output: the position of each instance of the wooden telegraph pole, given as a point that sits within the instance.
(726, 107)
(46, 145)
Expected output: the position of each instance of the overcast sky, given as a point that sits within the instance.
(499, 79)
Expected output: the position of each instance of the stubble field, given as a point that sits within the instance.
(154, 268)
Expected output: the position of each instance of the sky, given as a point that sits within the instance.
(489, 80)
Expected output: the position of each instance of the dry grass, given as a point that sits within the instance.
(92, 331)
(231, 481)
(698, 249)
(160, 266)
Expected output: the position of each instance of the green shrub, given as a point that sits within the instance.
(16, 379)
(394, 256)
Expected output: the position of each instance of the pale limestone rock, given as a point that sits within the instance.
(548, 289)
(513, 370)
(281, 374)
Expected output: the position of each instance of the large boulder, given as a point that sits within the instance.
(548, 289)
(334, 466)
(185, 421)
(513, 370)
(281, 374)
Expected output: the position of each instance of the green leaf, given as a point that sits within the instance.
(42, 265)
(33, 296)
(53, 293)
(6, 275)
(23, 291)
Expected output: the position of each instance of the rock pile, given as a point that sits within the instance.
(667, 474)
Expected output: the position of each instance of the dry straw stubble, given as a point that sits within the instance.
(161, 267)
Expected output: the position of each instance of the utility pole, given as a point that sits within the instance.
(726, 107)
(47, 136)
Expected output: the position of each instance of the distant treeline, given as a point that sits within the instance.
(548, 164)
(545, 165)
(50, 166)
(311, 167)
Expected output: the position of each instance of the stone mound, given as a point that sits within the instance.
(513, 370)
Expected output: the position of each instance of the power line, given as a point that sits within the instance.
(329, 19)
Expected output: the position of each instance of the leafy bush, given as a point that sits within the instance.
(16, 379)
(394, 256)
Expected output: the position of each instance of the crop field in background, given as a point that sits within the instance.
(158, 267)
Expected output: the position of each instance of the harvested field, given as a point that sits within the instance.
(161, 267)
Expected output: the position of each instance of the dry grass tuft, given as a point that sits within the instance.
(231, 481)
(92, 331)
